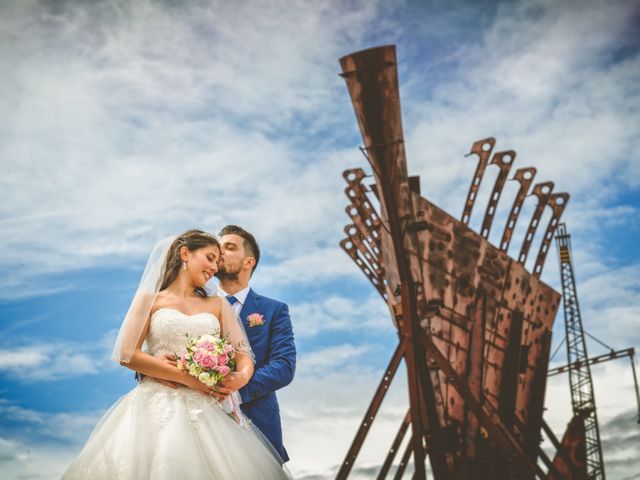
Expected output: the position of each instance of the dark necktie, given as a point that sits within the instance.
(231, 299)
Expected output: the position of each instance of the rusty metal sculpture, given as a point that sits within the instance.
(474, 325)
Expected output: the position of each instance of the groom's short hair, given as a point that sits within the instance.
(249, 243)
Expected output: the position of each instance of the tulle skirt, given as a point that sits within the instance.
(156, 432)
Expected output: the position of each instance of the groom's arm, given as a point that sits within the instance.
(278, 371)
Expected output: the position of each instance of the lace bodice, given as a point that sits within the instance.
(168, 329)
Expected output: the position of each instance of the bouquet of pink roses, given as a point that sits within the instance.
(210, 358)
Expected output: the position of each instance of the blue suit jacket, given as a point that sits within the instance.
(275, 353)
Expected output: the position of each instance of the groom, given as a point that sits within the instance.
(269, 330)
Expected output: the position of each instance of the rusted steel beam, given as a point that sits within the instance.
(511, 371)
(553, 471)
(367, 246)
(371, 77)
(455, 268)
(496, 431)
(561, 451)
(462, 306)
(525, 177)
(404, 426)
(542, 191)
(627, 352)
(361, 207)
(370, 258)
(363, 240)
(353, 245)
(457, 263)
(372, 411)
(360, 204)
(533, 422)
(421, 396)
(404, 461)
(369, 237)
(635, 383)
(557, 202)
(350, 248)
(475, 369)
(503, 160)
(483, 149)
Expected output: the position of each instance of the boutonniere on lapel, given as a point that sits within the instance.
(255, 320)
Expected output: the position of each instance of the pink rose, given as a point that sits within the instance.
(224, 370)
(228, 348)
(207, 346)
(197, 357)
(223, 359)
(208, 361)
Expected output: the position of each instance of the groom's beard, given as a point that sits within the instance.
(223, 274)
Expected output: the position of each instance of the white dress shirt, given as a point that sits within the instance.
(241, 296)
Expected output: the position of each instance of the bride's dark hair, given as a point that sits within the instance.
(193, 240)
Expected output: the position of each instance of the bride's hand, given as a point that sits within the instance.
(217, 391)
(171, 359)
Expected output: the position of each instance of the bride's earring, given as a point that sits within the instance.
(184, 265)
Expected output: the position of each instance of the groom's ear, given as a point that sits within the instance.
(251, 262)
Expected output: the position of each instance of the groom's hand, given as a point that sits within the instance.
(234, 381)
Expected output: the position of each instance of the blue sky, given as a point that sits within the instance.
(122, 122)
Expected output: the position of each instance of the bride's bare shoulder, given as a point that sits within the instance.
(161, 301)
(214, 305)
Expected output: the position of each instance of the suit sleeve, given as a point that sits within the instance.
(278, 371)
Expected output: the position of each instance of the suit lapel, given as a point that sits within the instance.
(250, 306)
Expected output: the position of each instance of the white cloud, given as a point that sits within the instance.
(337, 313)
(332, 390)
(36, 360)
(128, 133)
(40, 445)
(566, 101)
(617, 414)
(20, 460)
(115, 133)
(64, 427)
(609, 300)
(331, 403)
(330, 358)
(317, 265)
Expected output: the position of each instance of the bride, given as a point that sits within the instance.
(159, 432)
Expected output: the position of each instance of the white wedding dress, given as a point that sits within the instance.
(156, 432)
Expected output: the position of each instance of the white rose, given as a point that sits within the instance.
(204, 378)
